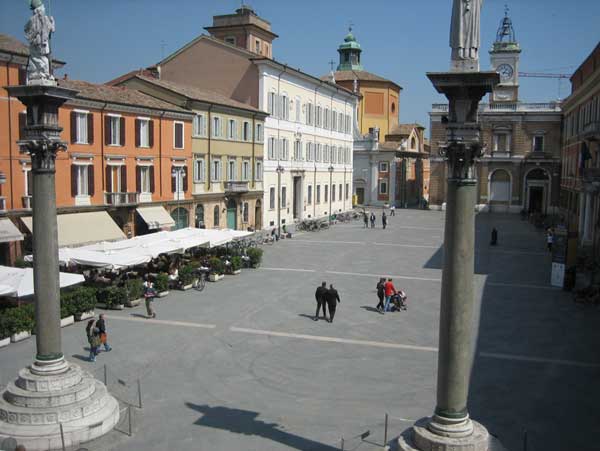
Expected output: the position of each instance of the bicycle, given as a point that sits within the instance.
(200, 282)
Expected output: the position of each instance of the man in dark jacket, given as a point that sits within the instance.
(332, 296)
(101, 325)
(320, 297)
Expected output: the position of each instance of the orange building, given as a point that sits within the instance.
(128, 161)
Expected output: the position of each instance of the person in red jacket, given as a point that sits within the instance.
(390, 290)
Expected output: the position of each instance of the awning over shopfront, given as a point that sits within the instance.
(77, 229)
(18, 282)
(156, 217)
(9, 232)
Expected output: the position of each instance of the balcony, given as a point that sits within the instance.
(2, 203)
(120, 198)
(546, 107)
(236, 187)
(26, 202)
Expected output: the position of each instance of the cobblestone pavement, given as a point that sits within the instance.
(242, 365)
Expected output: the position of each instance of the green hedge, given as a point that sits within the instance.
(236, 263)
(162, 282)
(77, 300)
(17, 319)
(216, 265)
(135, 288)
(255, 255)
(112, 296)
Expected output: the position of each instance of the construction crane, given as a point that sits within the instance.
(559, 77)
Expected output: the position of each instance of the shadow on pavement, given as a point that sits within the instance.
(84, 358)
(245, 422)
(368, 308)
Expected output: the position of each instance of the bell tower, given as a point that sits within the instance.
(504, 56)
(349, 53)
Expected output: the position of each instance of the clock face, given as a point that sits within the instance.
(505, 71)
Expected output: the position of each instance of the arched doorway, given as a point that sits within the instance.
(258, 215)
(181, 217)
(537, 191)
(200, 216)
(500, 190)
(231, 214)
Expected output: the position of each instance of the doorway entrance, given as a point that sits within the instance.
(297, 197)
(360, 196)
(231, 214)
(536, 199)
(537, 191)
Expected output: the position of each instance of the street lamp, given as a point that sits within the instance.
(175, 174)
(330, 169)
(279, 170)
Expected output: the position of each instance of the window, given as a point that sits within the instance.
(333, 193)
(246, 134)
(334, 120)
(285, 149)
(143, 132)
(216, 216)
(326, 154)
(272, 197)
(340, 192)
(340, 123)
(347, 190)
(245, 170)
(383, 166)
(216, 170)
(271, 103)
(271, 149)
(297, 150)
(146, 173)
(309, 152)
(259, 133)
(538, 143)
(326, 193)
(81, 128)
(178, 138)
(413, 143)
(199, 125)
(232, 129)
(309, 195)
(298, 109)
(318, 152)
(326, 119)
(114, 131)
(340, 157)
(230, 40)
(310, 114)
(259, 170)
(199, 169)
(382, 186)
(257, 46)
(318, 201)
(318, 116)
(285, 107)
(334, 154)
(283, 196)
(231, 170)
(501, 142)
(245, 212)
(82, 179)
(178, 184)
(216, 130)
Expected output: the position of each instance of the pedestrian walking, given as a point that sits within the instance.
(494, 241)
(101, 325)
(149, 295)
(390, 290)
(381, 294)
(366, 219)
(393, 210)
(333, 298)
(549, 239)
(93, 337)
(373, 220)
(320, 297)
(383, 220)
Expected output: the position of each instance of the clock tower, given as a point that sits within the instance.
(504, 56)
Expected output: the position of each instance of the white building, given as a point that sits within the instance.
(308, 144)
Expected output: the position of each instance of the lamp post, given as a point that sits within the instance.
(330, 169)
(175, 174)
(279, 170)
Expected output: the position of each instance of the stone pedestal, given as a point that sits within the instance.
(51, 402)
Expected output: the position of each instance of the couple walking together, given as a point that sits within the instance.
(97, 336)
(330, 296)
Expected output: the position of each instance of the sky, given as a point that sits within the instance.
(401, 39)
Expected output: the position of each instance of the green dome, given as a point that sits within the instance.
(349, 52)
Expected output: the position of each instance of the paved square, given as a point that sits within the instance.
(242, 366)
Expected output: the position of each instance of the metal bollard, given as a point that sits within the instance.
(62, 437)
(385, 432)
(139, 387)
(129, 411)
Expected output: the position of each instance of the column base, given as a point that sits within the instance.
(421, 437)
(47, 395)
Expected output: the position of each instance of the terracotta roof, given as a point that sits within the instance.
(118, 94)
(197, 94)
(404, 129)
(360, 75)
(128, 75)
(10, 44)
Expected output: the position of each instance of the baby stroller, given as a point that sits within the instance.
(398, 301)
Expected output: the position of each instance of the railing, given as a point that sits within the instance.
(236, 187)
(120, 198)
(2, 203)
(26, 202)
(511, 107)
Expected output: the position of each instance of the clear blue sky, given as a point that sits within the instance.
(401, 39)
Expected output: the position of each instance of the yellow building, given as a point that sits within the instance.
(379, 105)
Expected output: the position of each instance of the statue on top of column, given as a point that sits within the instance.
(464, 29)
(38, 30)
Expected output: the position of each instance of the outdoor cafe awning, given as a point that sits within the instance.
(156, 217)
(18, 282)
(9, 232)
(77, 229)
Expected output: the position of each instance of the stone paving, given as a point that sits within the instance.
(243, 366)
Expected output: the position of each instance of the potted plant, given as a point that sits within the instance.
(236, 265)
(66, 312)
(162, 284)
(135, 291)
(255, 254)
(186, 277)
(112, 298)
(4, 330)
(84, 301)
(217, 268)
